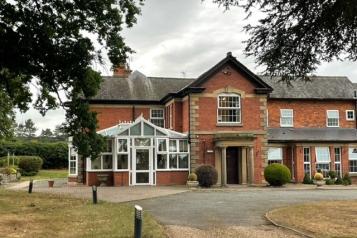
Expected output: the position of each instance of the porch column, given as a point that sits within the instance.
(244, 165)
(251, 164)
(223, 167)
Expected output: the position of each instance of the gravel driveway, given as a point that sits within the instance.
(204, 209)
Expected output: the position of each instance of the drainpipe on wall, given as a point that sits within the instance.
(133, 113)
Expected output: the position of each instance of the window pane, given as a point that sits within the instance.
(275, 154)
(142, 141)
(322, 154)
(158, 122)
(307, 169)
(72, 167)
(124, 133)
(173, 162)
(332, 122)
(353, 166)
(338, 170)
(108, 146)
(183, 144)
(161, 161)
(136, 130)
(107, 161)
(122, 161)
(122, 145)
(306, 155)
(286, 113)
(352, 153)
(96, 163)
(157, 113)
(161, 145)
(325, 168)
(183, 161)
(148, 130)
(332, 114)
(172, 146)
(228, 115)
(337, 154)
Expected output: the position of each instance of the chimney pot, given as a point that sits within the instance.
(121, 70)
(229, 53)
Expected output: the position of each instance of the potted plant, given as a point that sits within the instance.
(192, 180)
(319, 179)
(50, 183)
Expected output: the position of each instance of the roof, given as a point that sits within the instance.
(139, 87)
(318, 87)
(312, 134)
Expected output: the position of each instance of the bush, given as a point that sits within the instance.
(192, 177)
(277, 174)
(206, 175)
(346, 179)
(30, 165)
(54, 154)
(339, 180)
(318, 176)
(330, 181)
(332, 174)
(307, 179)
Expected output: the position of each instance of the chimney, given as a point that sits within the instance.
(122, 70)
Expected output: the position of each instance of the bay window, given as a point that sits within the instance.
(172, 154)
(323, 160)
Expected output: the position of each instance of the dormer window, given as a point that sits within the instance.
(229, 109)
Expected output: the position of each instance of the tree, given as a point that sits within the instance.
(60, 131)
(29, 128)
(295, 36)
(51, 44)
(46, 133)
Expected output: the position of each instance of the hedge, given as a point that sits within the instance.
(54, 155)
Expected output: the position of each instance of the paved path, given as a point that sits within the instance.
(110, 194)
(204, 209)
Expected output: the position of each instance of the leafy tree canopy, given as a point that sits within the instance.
(46, 133)
(295, 36)
(26, 129)
(49, 41)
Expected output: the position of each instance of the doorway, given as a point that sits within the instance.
(233, 157)
(142, 170)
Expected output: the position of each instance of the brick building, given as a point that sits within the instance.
(160, 129)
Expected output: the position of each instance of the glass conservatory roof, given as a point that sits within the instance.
(140, 127)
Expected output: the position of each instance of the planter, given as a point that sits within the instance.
(50, 183)
(319, 183)
(192, 184)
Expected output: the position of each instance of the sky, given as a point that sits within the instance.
(184, 39)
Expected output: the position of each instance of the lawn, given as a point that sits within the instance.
(320, 219)
(47, 174)
(46, 215)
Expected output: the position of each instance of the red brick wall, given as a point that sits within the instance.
(309, 113)
(177, 116)
(121, 179)
(171, 177)
(184, 116)
(92, 178)
(110, 116)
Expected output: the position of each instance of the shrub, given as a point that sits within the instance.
(206, 175)
(277, 174)
(339, 180)
(318, 176)
(13, 160)
(30, 165)
(330, 181)
(332, 174)
(54, 154)
(192, 177)
(346, 179)
(307, 179)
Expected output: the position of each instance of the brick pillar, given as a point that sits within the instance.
(332, 157)
(313, 161)
(299, 164)
(344, 159)
(195, 143)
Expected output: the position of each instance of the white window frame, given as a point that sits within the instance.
(339, 173)
(89, 161)
(353, 115)
(239, 108)
(350, 158)
(158, 118)
(279, 158)
(323, 162)
(122, 153)
(327, 118)
(309, 160)
(290, 111)
(168, 153)
(72, 153)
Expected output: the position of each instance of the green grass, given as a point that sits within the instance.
(47, 174)
(47, 215)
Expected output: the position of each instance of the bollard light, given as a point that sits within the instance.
(138, 221)
(94, 190)
(30, 186)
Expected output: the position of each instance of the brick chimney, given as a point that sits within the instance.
(122, 70)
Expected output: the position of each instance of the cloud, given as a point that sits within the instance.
(187, 36)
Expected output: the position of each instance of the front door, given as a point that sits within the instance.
(232, 165)
(142, 166)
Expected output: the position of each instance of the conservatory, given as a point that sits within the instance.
(137, 153)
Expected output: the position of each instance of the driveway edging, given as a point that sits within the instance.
(286, 227)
